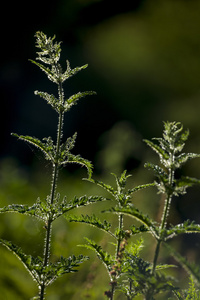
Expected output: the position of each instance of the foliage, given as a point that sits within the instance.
(130, 273)
(59, 154)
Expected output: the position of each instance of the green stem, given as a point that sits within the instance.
(53, 192)
(164, 217)
(166, 212)
(156, 256)
(117, 250)
(120, 229)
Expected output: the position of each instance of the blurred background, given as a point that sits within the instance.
(144, 64)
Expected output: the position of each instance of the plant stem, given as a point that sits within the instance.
(53, 192)
(117, 250)
(120, 228)
(164, 216)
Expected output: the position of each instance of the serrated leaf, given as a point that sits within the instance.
(90, 220)
(63, 266)
(50, 74)
(121, 181)
(46, 148)
(66, 147)
(180, 185)
(146, 283)
(65, 206)
(157, 149)
(104, 256)
(50, 50)
(77, 159)
(172, 134)
(23, 209)
(51, 99)
(186, 227)
(45, 274)
(141, 229)
(187, 181)
(71, 72)
(140, 187)
(159, 172)
(119, 193)
(74, 98)
(28, 261)
(107, 187)
(184, 157)
(163, 182)
(136, 214)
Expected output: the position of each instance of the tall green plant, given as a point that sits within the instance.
(130, 273)
(42, 270)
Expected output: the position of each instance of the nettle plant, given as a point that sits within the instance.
(130, 274)
(59, 154)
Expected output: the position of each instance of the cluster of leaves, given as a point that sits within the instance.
(169, 148)
(59, 154)
(46, 211)
(128, 272)
(45, 274)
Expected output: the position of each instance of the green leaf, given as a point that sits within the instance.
(105, 257)
(52, 76)
(74, 98)
(65, 206)
(186, 227)
(50, 50)
(163, 182)
(174, 136)
(45, 274)
(135, 248)
(107, 187)
(63, 266)
(121, 196)
(170, 145)
(141, 229)
(77, 159)
(71, 72)
(180, 185)
(51, 99)
(187, 181)
(192, 293)
(159, 172)
(65, 148)
(23, 209)
(139, 272)
(140, 187)
(121, 181)
(136, 214)
(184, 157)
(90, 220)
(47, 148)
(28, 261)
(163, 155)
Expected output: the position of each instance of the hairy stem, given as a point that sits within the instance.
(120, 228)
(53, 192)
(165, 214)
(117, 251)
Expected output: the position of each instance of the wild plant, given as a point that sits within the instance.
(42, 270)
(129, 273)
